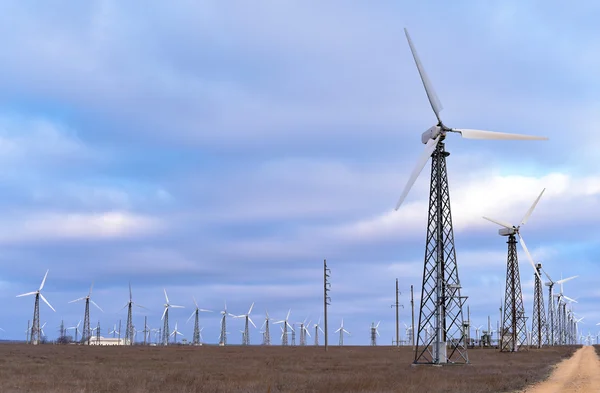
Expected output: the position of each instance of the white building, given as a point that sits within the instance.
(108, 341)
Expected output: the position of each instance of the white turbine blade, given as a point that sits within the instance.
(97, 306)
(201, 309)
(569, 299)
(166, 297)
(563, 280)
(423, 158)
(249, 311)
(526, 217)
(140, 306)
(250, 319)
(181, 334)
(529, 256)
(163, 315)
(193, 313)
(278, 322)
(481, 134)
(501, 223)
(321, 330)
(196, 303)
(263, 325)
(547, 275)
(347, 332)
(44, 280)
(288, 315)
(376, 326)
(130, 295)
(306, 331)
(172, 333)
(76, 300)
(174, 306)
(27, 294)
(377, 331)
(92, 286)
(291, 327)
(45, 301)
(338, 330)
(436, 105)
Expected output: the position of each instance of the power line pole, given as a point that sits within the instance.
(326, 298)
(412, 306)
(397, 305)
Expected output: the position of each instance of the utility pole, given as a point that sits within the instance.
(397, 305)
(412, 306)
(326, 298)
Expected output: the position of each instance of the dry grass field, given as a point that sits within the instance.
(70, 368)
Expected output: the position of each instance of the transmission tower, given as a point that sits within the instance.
(513, 333)
(441, 302)
(539, 328)
(326, 299)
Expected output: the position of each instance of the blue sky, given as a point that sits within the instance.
(222, 150)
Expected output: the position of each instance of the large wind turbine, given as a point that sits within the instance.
(441, 301)
(553, 319)
(317, 328)
(35, 326)
(513, 332)
(165, 318)
(86, 317)
(266, 332)
(342, 331)
(196, 312)
(223, 335)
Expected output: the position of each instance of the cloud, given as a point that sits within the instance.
(72, 226)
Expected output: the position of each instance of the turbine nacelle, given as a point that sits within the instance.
(430, 134)
(508, 231)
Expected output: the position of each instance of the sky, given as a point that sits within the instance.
(223, 149)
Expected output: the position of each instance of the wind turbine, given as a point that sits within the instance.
(165, 318)
(562, 314)
(196, 312)
(374, 333)
(303, 331)
(317, 328)
(284, 336)
(441, 302)
(246, 340)
(552, 313)
(86, 319)
(266, 332)
(342, 331)
(114, 331)
(129, 335)
(477, 330)
(223, 335)
(175, 332)
(35, 326)
(513, 321)
(76, 327)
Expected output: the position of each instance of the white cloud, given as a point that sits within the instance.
(68, 225)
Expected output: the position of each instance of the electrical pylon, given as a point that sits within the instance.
(513, 333)
(539, 327)
(441, 302)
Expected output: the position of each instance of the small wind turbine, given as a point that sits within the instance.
(552, 312)
(223, 335)
(317, 328)
(114, 331)
(246, 340)
(165, 318)
(196, 312)
(374, 333)
(266, 333)
(342, 331)
(286, 324)
(86, 316)
(175, 332)
(76, 327)
(35, 327)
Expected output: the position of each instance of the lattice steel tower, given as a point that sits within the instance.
(513, 333)
(36, 330)
(223, 335)
(539, 327)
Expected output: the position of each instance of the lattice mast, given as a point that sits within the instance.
(441, 301)
(223, 335)
(326, 300)
(552, 328)
(513, 334)
(35, 332)
(539, 327)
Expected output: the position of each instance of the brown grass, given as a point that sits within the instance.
(62, 369)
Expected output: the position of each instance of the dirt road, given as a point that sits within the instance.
(580, 373)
